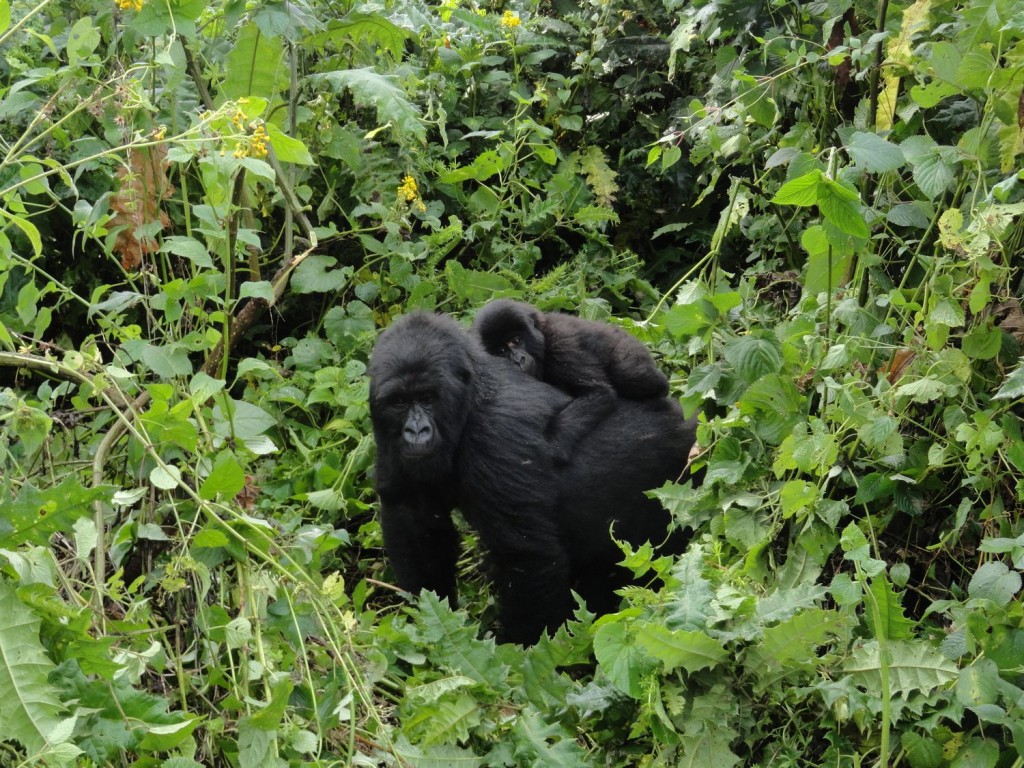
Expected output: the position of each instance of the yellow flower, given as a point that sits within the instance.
(510, 20)
(129, 5)
(258, 142)
(409, 190)
(159, 133)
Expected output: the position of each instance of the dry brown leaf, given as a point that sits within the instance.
(901, 358)
(143, 186)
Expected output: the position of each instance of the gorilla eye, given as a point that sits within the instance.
(515, 341)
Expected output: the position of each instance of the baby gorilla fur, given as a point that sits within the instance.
(594, 362)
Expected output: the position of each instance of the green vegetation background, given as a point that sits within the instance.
(811, 212)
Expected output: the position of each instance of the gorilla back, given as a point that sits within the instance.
(456, 427)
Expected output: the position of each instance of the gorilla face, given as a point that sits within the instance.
(419, 384)
(511, 330)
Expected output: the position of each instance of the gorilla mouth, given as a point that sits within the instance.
(417, 450)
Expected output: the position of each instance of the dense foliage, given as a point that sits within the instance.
(811, 212)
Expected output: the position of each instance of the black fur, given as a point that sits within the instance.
(594, 362)
(455, 428)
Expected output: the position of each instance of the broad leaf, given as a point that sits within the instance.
(29, 705)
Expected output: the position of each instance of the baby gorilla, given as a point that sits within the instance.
(594, 362)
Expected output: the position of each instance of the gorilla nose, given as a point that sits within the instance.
(419, 434)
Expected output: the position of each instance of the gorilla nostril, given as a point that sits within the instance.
(417, 435)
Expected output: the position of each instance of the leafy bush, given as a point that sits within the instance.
(811, 212)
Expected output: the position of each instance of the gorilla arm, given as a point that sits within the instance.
(420, 538)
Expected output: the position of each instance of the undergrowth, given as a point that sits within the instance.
(812, 214)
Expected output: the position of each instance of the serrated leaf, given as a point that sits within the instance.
(34, 515)
(754, 357)
(889, 623)
(923, 390)
(600, 177)
(315, 275)
(874, 154)
(708, 747)
(914, 667)
(383, 92)
(692, 651)
(29, 704)
(842, 208)
(796, 640)
(373, 30)
(922, 752)
(801, 191)
(594, 217)
(484, 166)
(621, 659)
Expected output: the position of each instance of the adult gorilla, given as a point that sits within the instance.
(454, 428)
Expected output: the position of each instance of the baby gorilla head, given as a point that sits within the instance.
(511, 329)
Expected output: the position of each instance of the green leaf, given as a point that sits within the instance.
(484, 166)
(82, 41)
(28, 229)
(286, 148)
(621, 659)
(914, 667)
(255, 66)
(165, 478)
(203, 387)
(983, 342)
(874, 154)
(796, 496)
(923, 390)
(594, 217)
(754, 357)
(801, 191)
(828, 259)
(188, 248)
(933, 166)
(792, 645)
(5, 15)
(372, 30)
(168, 361)
(841, 207)
(472, 285)
(29, 704)
(1013, 386)
(922, 752)
(34, 515)
(226, 478)
(382, 92)
(692, 651)
(947, 312)
(889, 623)
(314, 275)
(996, 582)
(772, 402)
